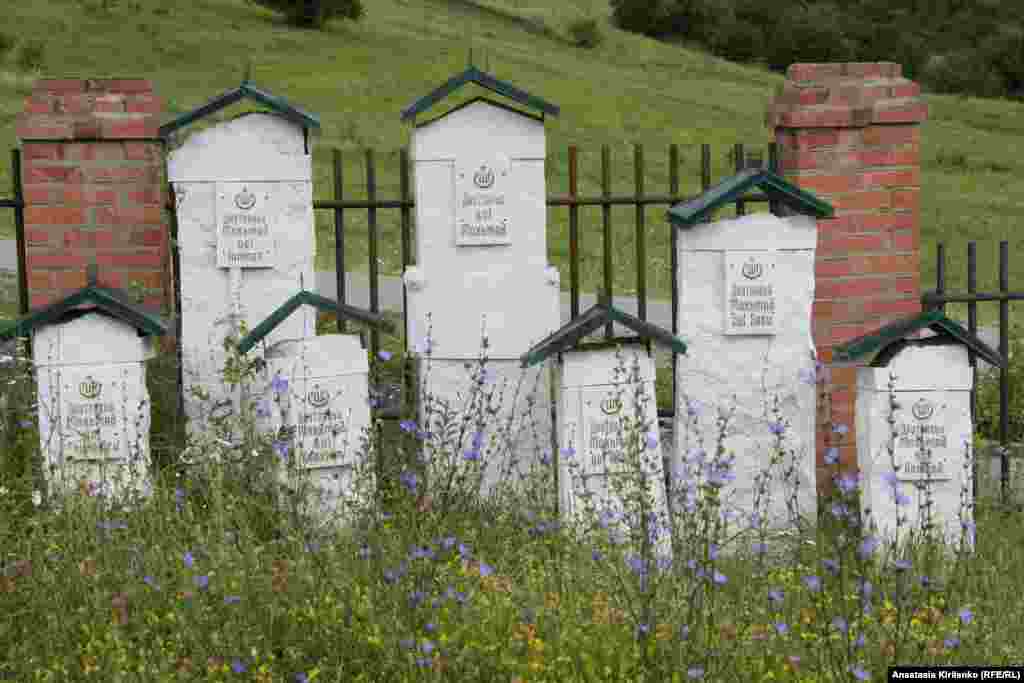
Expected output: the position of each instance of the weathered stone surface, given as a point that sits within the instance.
(521, 432)
(465, 283)
(94, 411)
(747, 373)
(252, 171)
(325, 404)
(593, 422)
(932, 392)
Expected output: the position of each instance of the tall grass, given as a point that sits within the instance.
(225, 572)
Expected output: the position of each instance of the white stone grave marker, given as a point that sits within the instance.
(326, 405)
(481, 253)
(592, 414)
(246, 239)
(933, 394)
(94, 411)
(746, 286)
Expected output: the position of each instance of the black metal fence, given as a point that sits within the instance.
(639, 199)
(17, 202)
(938, 298)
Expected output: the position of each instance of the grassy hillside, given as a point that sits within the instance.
(357, 78)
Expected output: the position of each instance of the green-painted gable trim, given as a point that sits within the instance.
(875, 343)
(481, 98)
(343, 311)
(484, 80)
(780, 190)
(245, 90)
(100, 299)
(567, 336)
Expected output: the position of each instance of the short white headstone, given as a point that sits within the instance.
(326, 406)
(591, 417)
(933, 396)
(481, 253)
(94, 410)
(746, 286)
(246, 240)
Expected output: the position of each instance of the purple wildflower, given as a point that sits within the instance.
(813, 583)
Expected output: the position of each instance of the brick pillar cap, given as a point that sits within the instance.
(90, 108)
(845, 95)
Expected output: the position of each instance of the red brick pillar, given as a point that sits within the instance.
(92, 172)
(850, 134)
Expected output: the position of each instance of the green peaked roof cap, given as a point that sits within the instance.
(110, 302)
(484, 80)
(568, 335)
(245, 91)
(875, 343)
(778, 189)
(322, 303)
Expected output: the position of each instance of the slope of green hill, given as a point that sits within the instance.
(630, 89)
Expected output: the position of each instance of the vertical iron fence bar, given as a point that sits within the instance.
(574, 239)
(1004, 374)
(19, 232)
(972, 358)
(405, 191)
(940, 275)
(176, 283)
(606, 210)
(641, 245)
(739, 163)
(371, 196)
(673, 191)
(339, 237)
(705, 167)
(773, 166)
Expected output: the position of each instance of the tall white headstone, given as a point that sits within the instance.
(746, 286)
(593, 420)
(246, 240)
(94, 410)
(481, 250)
(932, 422)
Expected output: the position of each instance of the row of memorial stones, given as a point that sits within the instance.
(246, 239)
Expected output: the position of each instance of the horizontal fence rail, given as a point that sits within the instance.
(938, 299)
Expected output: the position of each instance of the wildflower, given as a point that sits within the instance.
(966, 615)
(409, 480)
(776, 596)
(831, 565)
(232, 599)
(807, 376)
(791, 663)
(642, 630)
(782, 628)
(728, 631)
(813, 583)
(406, 643)
(867, 547)
(777, 428)
(568, 451)
(202, 581)
(150, 581)
(859, 642)
(901, 498)
(486, 569)
(695, 672)
(840, 625)
(238, 666)
(279, 384)
(951, 642)
(760, 548)
(430, 627)
(858, 671)
(838, 510)
(384, 355)
(759, 632)
(427, 647)
(416, 599)
(596, 555)
(188, 560)
(902, 565)
(684, 632)
(281, 449)
(847, 483)
(652, 441)
(840, 429)
(720, 578)
(472, 455)
(407, 426)
(478, 440)
(832, 456)
(262, 408)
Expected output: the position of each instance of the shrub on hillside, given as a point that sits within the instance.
(6, 44)
(585, 33)
(812, 34)
(965, 72)
(640, 16)
(315, 13)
